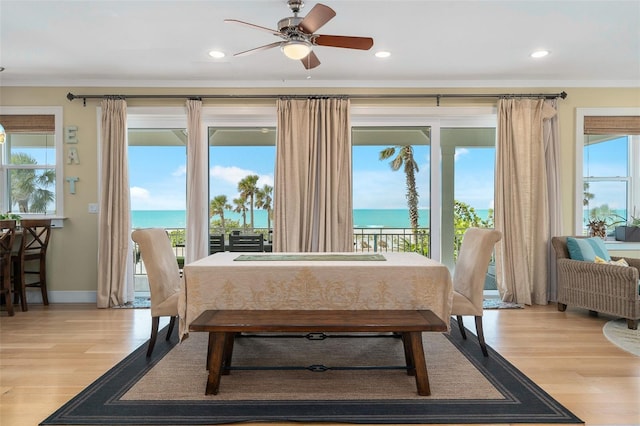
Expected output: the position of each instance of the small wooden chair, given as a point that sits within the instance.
(7, 236)
(33, 248)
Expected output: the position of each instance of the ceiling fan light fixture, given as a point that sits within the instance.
(217, 54)
(541, 53)
(296, 49)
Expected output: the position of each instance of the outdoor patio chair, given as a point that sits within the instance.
(246, 242)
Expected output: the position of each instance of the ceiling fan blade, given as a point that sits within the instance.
(310, 61)
(317, 17)
(362, 43)
(257, 27)
(257, 49)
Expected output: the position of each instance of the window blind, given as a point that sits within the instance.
(28, 123)
(612, 125)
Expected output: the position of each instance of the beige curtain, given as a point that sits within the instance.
(522, 201)
(197, 233)
(115, 284)
(551, 139)
(312, 194)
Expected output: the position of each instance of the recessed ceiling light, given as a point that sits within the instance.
(216, 54)
(383, 54)
(539, 53)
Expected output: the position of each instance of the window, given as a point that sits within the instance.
(30, 161)
(608, 165)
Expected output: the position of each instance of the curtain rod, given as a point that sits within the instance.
(562, 95)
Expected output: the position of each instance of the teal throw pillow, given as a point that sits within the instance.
(587, 249)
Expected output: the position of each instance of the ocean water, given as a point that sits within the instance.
(362, 218)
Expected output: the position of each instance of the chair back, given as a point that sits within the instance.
(246, 242)
(216, 243)
(7, 236)
(160, 263)
(473, 261)
(35, 238)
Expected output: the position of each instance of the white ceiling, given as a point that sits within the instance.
(448, 43)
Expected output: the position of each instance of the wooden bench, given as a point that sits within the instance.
(223, 325)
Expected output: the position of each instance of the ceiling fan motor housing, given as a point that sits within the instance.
(289, 26)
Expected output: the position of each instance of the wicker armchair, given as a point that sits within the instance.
(605, 288)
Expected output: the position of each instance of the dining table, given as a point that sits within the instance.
(308, 281)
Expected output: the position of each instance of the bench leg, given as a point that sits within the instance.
(216, 356)
(228, 352)
(417, 351)
(408, 354)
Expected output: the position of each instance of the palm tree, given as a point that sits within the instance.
(217, 206)
(29, 186)
(247, 188)
(264, 200)
(587, 196)
(240, 204)
(405, 157)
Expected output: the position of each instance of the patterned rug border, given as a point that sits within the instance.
(499, 304)
(617, 332)
(523, 401)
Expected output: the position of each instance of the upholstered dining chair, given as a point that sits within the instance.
(32, 251)
(164, 278)
(469, 276)
(7, 236)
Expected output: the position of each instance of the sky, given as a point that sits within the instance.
(608, 160)
(160, 184)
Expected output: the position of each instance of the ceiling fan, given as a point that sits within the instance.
(298, 38)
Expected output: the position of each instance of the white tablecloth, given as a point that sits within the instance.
(400, 281)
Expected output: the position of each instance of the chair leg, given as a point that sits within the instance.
(19, 287)
(172, 322)
(155, 323)
(43, 281)
(480, 334)
(461, 326)
(632, 324)
(6, 290)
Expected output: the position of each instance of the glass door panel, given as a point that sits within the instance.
(391, 181)
(241, 179)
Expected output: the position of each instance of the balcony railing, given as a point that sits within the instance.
(364, 240)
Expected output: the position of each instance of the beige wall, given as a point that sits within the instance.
(73, 256)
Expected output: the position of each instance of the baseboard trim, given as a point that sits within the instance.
(35, 297)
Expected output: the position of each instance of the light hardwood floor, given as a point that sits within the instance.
(49, 354)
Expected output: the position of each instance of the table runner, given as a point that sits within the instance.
(309, 256)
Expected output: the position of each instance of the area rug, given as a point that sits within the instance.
(620, 335)
(499, 304)
(466, 387)
(139, 302)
